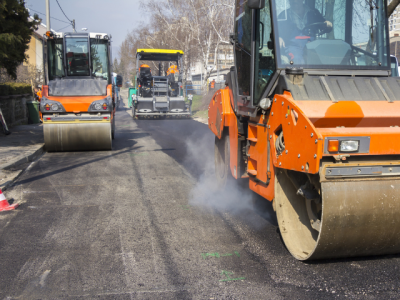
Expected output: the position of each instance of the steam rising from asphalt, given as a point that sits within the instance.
(235, 198)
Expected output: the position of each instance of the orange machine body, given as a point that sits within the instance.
(221, 116)
(306, 126)
(76, 104)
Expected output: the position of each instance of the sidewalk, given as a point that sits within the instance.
(23, 145)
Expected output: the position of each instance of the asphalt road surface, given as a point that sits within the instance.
(145, 221)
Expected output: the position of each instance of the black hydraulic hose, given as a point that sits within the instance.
(280, 143)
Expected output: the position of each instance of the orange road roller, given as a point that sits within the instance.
(78, 103)
(310, 117)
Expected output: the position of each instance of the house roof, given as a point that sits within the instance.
(40, 31)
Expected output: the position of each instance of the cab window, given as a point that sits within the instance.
(243, 24)
(264, 65)
(337, 34)
(77, 54)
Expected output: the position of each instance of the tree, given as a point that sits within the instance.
(197, 27)
(15, 34)
(116, 66)
(126, 61)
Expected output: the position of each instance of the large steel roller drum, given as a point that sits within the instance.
(360, 217)
(77, 136)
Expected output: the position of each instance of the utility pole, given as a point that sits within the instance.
(48, 14)
(218, 64)
(73, 25)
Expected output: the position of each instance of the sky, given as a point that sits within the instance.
(116, 17)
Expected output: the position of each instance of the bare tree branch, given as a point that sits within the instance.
(392, 6)
(197, 27)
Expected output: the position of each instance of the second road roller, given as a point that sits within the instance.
(310, 118)
(78, 101)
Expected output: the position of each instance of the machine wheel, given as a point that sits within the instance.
(113, 128)
(222, 159)
(78, 136)
(337, 218)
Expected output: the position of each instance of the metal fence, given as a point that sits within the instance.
(218, 86)
(193, 89)
(197, 89)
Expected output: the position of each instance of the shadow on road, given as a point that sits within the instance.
(42, 176)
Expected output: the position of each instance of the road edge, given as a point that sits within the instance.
(23, 159)
(20, 160)
(200, 120)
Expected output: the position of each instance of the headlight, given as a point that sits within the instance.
(47, 105)
(101, 105)
(349, 146)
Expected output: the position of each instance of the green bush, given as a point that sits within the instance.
(15, 88)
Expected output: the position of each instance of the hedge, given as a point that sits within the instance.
(14, 88)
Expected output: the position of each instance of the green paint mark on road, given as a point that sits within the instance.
(186, 207)
(216, 254)
(228, 278)
(227, 254)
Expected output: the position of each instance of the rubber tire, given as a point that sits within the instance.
(222, 160)
(113, 128)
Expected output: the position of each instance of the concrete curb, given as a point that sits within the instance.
(23, 159)
(10, 180)
(11, 177)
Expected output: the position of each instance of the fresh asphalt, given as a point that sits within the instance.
(143, 222)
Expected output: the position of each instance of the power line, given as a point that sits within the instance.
(64, 27)
(50, 17)
(63, 11)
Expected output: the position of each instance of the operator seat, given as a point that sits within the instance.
(145, 78)
(145, 74)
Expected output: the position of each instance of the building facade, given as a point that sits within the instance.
(394, 22)
(217, 67)
(35, 50)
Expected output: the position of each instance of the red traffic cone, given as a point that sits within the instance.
(4, 205)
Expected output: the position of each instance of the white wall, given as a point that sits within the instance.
(39, 53)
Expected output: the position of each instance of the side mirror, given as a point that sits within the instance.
(119, 81)
(256, 4)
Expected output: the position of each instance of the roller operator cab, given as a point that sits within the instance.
(78, 103)
(159, 92)
(311, 117)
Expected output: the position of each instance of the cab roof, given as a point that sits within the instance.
(92, 35)
(159, 54)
